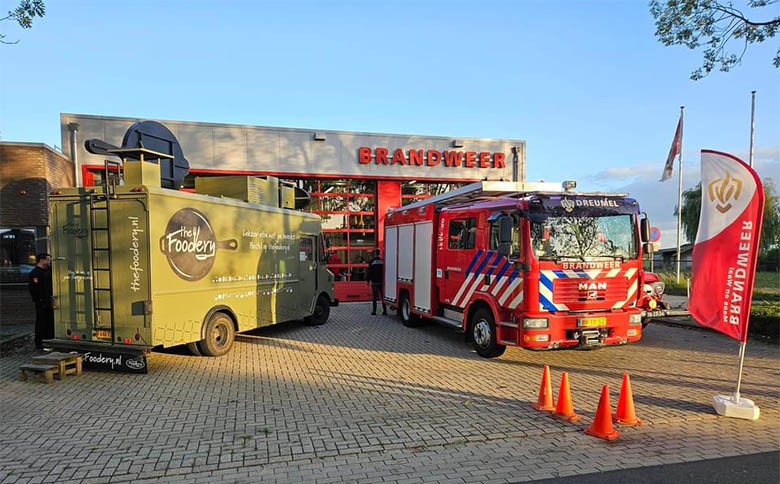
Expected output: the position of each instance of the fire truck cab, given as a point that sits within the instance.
(522, 264)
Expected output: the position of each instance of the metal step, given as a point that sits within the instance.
(508, 342)
(447, 321)
(509, 324)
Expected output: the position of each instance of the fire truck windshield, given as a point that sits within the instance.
(585, 237)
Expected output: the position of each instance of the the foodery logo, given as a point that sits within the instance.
(190, 244)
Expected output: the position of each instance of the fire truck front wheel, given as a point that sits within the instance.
(219, 335)
(483, 333)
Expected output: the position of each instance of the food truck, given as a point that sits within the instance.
(138, 265)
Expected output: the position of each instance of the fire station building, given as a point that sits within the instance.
(353, 178)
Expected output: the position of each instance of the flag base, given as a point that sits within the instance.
(744, 408)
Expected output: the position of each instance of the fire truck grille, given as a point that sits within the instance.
(566, 291)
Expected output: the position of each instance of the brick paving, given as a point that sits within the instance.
(364, 399)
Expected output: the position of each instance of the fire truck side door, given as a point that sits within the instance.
(457, 252)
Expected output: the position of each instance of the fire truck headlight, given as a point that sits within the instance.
(658, 288)
(534, 323)
(635, 319)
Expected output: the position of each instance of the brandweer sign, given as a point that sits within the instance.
(418, 157)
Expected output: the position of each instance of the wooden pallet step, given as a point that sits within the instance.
(44, 372)
(67, 363)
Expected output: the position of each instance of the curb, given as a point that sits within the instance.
(14, 337)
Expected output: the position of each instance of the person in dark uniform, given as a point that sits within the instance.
(41, 292)
(376, 278)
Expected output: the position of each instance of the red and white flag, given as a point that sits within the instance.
(673, 151)
(726, 249)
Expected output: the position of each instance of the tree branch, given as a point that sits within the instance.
(736, 13)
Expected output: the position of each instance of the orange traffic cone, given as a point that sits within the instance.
(545, 401)
(625, 409)
(564, 410)
(602, 423)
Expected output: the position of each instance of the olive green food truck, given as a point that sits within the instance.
(137, 266)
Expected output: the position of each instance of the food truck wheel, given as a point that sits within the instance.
(321, 312)
(219, 335)
(193, 347)
(483, 332)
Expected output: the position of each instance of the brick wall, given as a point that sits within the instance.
(28, 172)
(59, 170)
(16, 306)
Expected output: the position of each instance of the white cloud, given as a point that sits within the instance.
(660, 199)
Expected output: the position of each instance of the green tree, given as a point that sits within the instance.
(770, 229)
(714, 26)
(23, 15)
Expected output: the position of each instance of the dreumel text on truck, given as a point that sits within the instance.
(524, 264)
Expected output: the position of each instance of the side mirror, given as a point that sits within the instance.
(648, 247)
(505, 227)
(644, 229)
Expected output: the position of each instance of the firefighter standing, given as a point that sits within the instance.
(41, 292)
(376, 277)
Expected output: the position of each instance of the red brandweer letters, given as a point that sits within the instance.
(452, 159)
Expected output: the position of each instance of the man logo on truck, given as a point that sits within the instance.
(190, 245)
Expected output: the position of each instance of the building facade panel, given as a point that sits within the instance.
(230, 147)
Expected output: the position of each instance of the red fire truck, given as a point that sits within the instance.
(534, 265)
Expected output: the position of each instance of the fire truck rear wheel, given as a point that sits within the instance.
(321, 312)
(405, 312)
(483, 333)
(219, 335)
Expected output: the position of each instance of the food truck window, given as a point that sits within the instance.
(463, 233)
(323, 253)
(306, 249)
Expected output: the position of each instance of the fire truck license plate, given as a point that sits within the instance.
(590, 322)
(103, 333)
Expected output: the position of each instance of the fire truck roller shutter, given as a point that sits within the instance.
(423, 234)
(391, 261)
(405, 252)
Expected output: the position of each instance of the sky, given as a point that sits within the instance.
(585, 83)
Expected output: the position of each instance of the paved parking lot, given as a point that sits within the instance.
(364, 399)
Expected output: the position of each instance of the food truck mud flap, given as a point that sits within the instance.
(124, 358)
(125, 362)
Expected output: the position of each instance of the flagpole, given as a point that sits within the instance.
(752, 123)
(743, 344)
(679, 193)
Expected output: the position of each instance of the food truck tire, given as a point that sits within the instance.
(321, 312)
(193, 347)
(219, 335)
(483, 333)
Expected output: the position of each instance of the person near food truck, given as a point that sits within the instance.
(334, 259)
(41, 291)
(376, 278)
